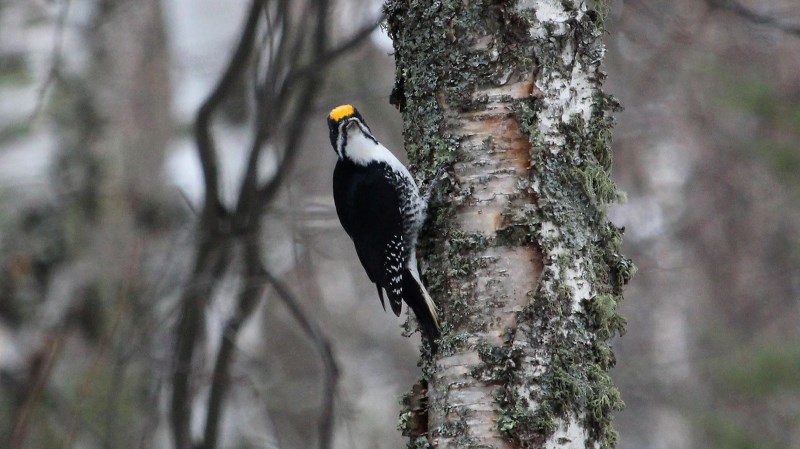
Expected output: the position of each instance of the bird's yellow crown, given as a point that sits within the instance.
(340, 112)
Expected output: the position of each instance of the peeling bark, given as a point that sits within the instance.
(521, 259)
(494, 155)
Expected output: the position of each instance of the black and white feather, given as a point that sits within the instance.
(380, 208)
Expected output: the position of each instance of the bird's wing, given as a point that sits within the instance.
(369, 208)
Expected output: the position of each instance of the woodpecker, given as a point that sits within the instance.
(381, 209)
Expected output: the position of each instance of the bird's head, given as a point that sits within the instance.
(343, 121)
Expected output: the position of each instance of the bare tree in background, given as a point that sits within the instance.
(73, 266)
(285, 46)
(524, 263)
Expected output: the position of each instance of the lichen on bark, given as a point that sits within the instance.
(520, 255)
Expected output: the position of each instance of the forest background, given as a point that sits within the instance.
(100, 186)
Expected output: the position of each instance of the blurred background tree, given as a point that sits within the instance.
(97, 103)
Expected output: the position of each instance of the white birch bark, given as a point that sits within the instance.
(529, 276)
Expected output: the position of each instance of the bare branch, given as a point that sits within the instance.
(256, 276)
(211, 261)
(309, 74)
(318, 64)
(213, 246)
(272, 96)
(269, 100)
(322, 343)
(343, 48)
(55, 60)
(285, 100)
(40, 367)
(205, 141)
(755, 17)
(248, 300)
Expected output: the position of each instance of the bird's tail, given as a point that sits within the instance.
(421, 303)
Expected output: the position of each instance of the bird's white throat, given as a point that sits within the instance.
(362, 150)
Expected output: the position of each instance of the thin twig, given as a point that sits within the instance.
(220, 381)
(320, 63)
(322, 343)
(55, 61)
(205, 142)
(755, 17)
(42, 367)
(268, 101)
(346, 46)
(187, 201)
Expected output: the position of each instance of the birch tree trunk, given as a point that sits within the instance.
(520, 255)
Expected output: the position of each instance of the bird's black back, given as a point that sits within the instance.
(369, 209)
